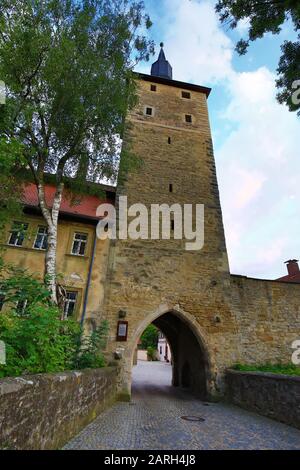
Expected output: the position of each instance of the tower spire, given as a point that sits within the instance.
(162, 68)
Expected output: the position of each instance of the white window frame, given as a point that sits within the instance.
(79, 244)
(15, 223)
(22, 311)
(44, 235)
(68, 302)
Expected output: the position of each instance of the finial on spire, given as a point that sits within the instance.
(162, 68)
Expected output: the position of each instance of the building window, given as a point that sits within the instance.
(70, 303)
(172, 225)
(188, 118)
(169, 140)
(170, 187)
(186, 95)
(153, 87)
(2, 300)
(17, 234)
(160, 349)
(21, 306)
(79, 244)
(149, 111)
(40, 242)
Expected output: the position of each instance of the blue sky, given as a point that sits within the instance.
(256, 140)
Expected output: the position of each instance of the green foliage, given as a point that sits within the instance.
(10, 193)
(151, 353)
(89, 349)
(150, 337)
(287, 369)
(37, 342)
(268, 16)
(36, 339)
(67, 66)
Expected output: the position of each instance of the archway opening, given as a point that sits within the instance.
(187, 357)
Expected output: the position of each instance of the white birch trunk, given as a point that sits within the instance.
(51, 218)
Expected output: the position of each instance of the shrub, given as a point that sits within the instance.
(287, 369)
(36, 339)
(149, 337)
(151, 354)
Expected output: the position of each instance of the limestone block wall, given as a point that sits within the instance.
(267, 317)
(44, 411)
(273, 395)
(148, 278)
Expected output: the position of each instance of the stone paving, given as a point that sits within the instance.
(152, 420)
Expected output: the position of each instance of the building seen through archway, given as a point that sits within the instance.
(180, 348)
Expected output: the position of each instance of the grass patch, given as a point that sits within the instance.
(286, 369)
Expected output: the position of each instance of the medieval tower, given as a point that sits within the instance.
(159, 280)
(210, 318)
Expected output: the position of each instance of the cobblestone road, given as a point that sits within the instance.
(153, 421)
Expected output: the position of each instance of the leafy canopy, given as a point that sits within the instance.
(266, 16)
(67, 66)
(150, 337)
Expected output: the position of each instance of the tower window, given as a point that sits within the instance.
(186, 95)
(170, 187)
(172, 225)
(149, 111)
(169, 140)
(188, 118)
(153, 87)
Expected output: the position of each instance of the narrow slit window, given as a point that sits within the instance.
(149, 111)
(188, 118)
(186, 95)
(170, 187)
(169, 140)
(153, 88)
(172, 225)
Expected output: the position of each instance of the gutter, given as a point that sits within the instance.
(86, 294)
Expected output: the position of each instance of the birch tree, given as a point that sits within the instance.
(67, 68)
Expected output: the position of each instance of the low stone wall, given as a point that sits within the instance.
(44, 411)
(274, 395)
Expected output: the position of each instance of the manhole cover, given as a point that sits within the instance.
(193, 418)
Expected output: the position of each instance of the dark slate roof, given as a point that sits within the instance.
(162, 68)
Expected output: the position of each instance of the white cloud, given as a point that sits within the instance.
(196, 44)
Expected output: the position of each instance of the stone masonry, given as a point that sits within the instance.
(234, 319)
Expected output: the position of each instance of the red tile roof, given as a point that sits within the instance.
(293, 272)
(290, 278)
(81, 205)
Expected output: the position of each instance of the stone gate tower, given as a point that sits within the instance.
(159, 281)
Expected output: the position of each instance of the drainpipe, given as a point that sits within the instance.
(86, 294)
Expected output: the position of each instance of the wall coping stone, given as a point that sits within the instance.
(266, 375)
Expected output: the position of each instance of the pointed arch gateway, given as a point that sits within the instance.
(191, 364)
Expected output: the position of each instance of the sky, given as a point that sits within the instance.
(256, 140)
